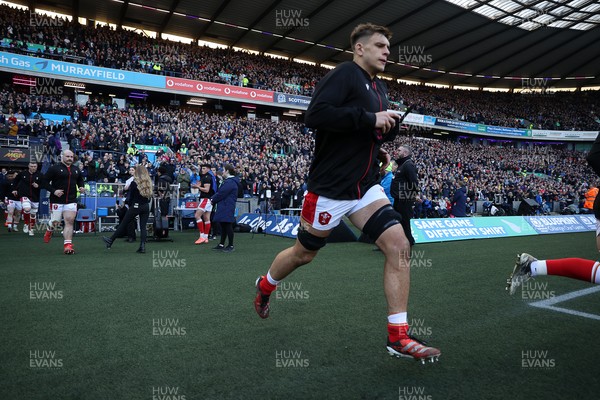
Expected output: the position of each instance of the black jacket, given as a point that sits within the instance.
(23, 183)
(406, 181)
(342, 113)
(59, 176)
(134, 196)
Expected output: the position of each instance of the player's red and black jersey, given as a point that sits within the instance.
(342, 114)
(59, 176)
(24, 185)
(207, 179)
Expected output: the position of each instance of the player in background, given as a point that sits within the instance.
(13, 204)
(348, 112)
(27, 186)
(207, 187)
(62, 181)
(528, 266)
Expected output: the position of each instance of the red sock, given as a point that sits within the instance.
(397, 332)
(576, 268)
(200, 225)
(265, 286)
(31, 221)
(26, 219)
(207, 228)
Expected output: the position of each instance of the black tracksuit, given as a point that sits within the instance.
(23, 183)
(61, 177)
(342, 113)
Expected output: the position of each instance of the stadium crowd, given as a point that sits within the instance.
(275, 156)
(123, 49)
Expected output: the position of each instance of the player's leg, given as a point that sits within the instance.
(303, 251)
(207, 223)
(26, 205)
(17, 215)
(55, 218)
(33, 216)
(144, 214)
(379, 220)
(10, 212)
(69, 214)
(319, 216)
(528, 267)
(200, 224)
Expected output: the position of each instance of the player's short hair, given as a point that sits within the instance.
(206, 165)
(367, 30)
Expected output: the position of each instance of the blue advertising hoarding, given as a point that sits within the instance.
(36, 65)
(562, 223)
(445, 229)
(507, 131)
(271, 224)
(291, 99)
(466, 126)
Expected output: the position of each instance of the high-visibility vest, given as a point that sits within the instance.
(590, 196)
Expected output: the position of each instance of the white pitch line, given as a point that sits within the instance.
(549, 303)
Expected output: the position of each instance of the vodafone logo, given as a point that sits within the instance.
(199, 87)
(227, 90)
(252, 94)
(170, 82)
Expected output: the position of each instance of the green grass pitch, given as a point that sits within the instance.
(178, 323)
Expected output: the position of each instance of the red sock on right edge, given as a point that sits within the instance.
(576, 268)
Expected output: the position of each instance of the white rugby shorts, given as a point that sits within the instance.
(324, 214)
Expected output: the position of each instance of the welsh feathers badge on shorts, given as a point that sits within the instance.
(324, 218)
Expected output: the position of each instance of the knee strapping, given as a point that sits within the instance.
(310, 241)
(381, 220)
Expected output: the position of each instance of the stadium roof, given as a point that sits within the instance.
(489, 43)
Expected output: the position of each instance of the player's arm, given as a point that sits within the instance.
(326, 110)
(204, 187)
(15, 184)
(48, 179)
